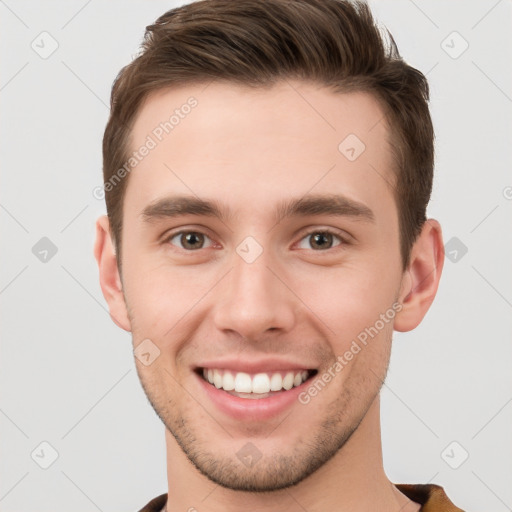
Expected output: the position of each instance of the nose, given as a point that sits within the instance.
(255, 299)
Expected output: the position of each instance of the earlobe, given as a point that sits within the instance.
(110, 281)
(421, 279)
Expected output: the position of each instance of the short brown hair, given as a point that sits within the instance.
(334, 43)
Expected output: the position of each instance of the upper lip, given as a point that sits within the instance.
(254, 365)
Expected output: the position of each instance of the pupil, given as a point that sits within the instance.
(189, 240)
(320, 239)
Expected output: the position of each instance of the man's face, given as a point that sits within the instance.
(257, 291)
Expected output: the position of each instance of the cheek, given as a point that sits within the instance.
(349, 300)
(162, 297)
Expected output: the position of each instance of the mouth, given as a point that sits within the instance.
(254, 386)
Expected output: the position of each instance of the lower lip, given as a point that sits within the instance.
(249, 408)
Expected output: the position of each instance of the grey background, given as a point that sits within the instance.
(67, 372)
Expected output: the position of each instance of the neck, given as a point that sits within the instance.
(353, 480)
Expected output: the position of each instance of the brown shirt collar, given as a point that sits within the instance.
(431, 497)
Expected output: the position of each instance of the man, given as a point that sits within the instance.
(267, 169)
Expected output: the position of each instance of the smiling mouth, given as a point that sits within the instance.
(254, 386)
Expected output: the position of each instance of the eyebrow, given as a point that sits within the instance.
(332, 204)
(310, 205)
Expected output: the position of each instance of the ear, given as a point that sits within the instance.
(110, 281)
(421, 279)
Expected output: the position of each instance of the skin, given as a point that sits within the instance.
(242, 148)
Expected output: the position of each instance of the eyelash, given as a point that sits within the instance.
(342, 240)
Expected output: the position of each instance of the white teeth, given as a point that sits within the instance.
(243, 383)
(288, 381)
(261, 383)
(276, 382)
(228, 381)
(217, 379)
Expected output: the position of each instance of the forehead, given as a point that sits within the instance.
(255, 146)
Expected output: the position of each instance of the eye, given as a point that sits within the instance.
(320, 240)
(189, 240)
